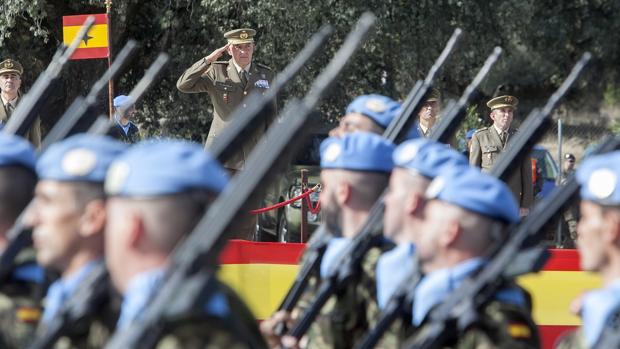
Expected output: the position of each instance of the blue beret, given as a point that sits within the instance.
(470, 133)
(380, 109)
(163, 167)
(79, 158)
(598, 176)
(15, 150)
(357, 151)
(123, 101)
(427, 157)
(475, 191)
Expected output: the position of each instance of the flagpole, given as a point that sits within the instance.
(108, 11)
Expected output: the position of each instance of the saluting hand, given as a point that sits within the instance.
(217, 53)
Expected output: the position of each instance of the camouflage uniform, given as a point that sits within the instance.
(214, 332)
(20, 306)
(348, 315)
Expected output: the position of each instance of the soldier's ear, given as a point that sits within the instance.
(93, 219)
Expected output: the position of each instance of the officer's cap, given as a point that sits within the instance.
(11, 66)
(380, 109)
(476, 191)
(357, 151)
(502, 102)
(434, 95)
(163, 167)
(79, 158)
(16, 151)
(123, 101)
(598, 176)
(427, 157)
(240, 36)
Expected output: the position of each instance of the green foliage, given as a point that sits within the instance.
(541, 41)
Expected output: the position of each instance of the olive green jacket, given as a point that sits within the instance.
(223, 84)
(484, 151)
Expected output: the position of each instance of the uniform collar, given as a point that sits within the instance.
(392, 268)
(138, 293)
(499, 132)
(436, 286)
(334, 249)
(12, 101)
(598, 306)
(239, 69)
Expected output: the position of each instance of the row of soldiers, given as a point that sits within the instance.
(140, 201)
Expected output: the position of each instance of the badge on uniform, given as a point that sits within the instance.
(225, 97)
(262, 83)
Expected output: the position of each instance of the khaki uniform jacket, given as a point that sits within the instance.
(223, 84)
(485, 149)
(34, 134)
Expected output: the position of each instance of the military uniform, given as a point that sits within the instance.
(227, 91)
(34, 134)
(132, 136)
(486, 147)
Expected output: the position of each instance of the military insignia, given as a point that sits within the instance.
(117, 175)
(435, 188)
(508, 99)
(376, 105)
(519, 330)
(332, 152)
(79, 162)
(407, 153)
(28, 314)
(602, 183)
(262, 83)
(243, 35)
(8, 64)
(225, 97)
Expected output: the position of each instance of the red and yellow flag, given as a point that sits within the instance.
(95, 44)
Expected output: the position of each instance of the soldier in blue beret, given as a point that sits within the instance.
(416, 163)
(598, 241)
(355, 170)
(124, 112)
(370, 113)
(68, 218)
(465, 210)
(159, 190)
(20, 307)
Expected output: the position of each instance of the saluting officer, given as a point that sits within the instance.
(416, 163)
(10, 82)
(228, 83)
(487, 144)
(598, 241)
(463, 209)
(68, 219)
(20, 294)
(159, 190)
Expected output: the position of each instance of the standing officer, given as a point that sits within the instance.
(68, 218)
(464, 211)
(228, 83)
(416, 163)
(10, 82)
(427, 116)
(354, 172)
(20, 294)
(124, 129)
(159, 190)
(488, 142)
(598, 241)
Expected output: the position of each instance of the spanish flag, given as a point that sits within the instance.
(95, 44)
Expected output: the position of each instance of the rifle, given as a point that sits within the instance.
(346, 267)
(27, 110)
(522, 253)
(190, 278)
(18, 235)
(401, 297)
(245, 121)
(93, 291)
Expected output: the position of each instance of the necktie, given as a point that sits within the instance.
(9, 110)
(244, 78)
(503, 136)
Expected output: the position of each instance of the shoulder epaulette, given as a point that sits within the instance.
(481, 129)
(220, 62)
(263, 66)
